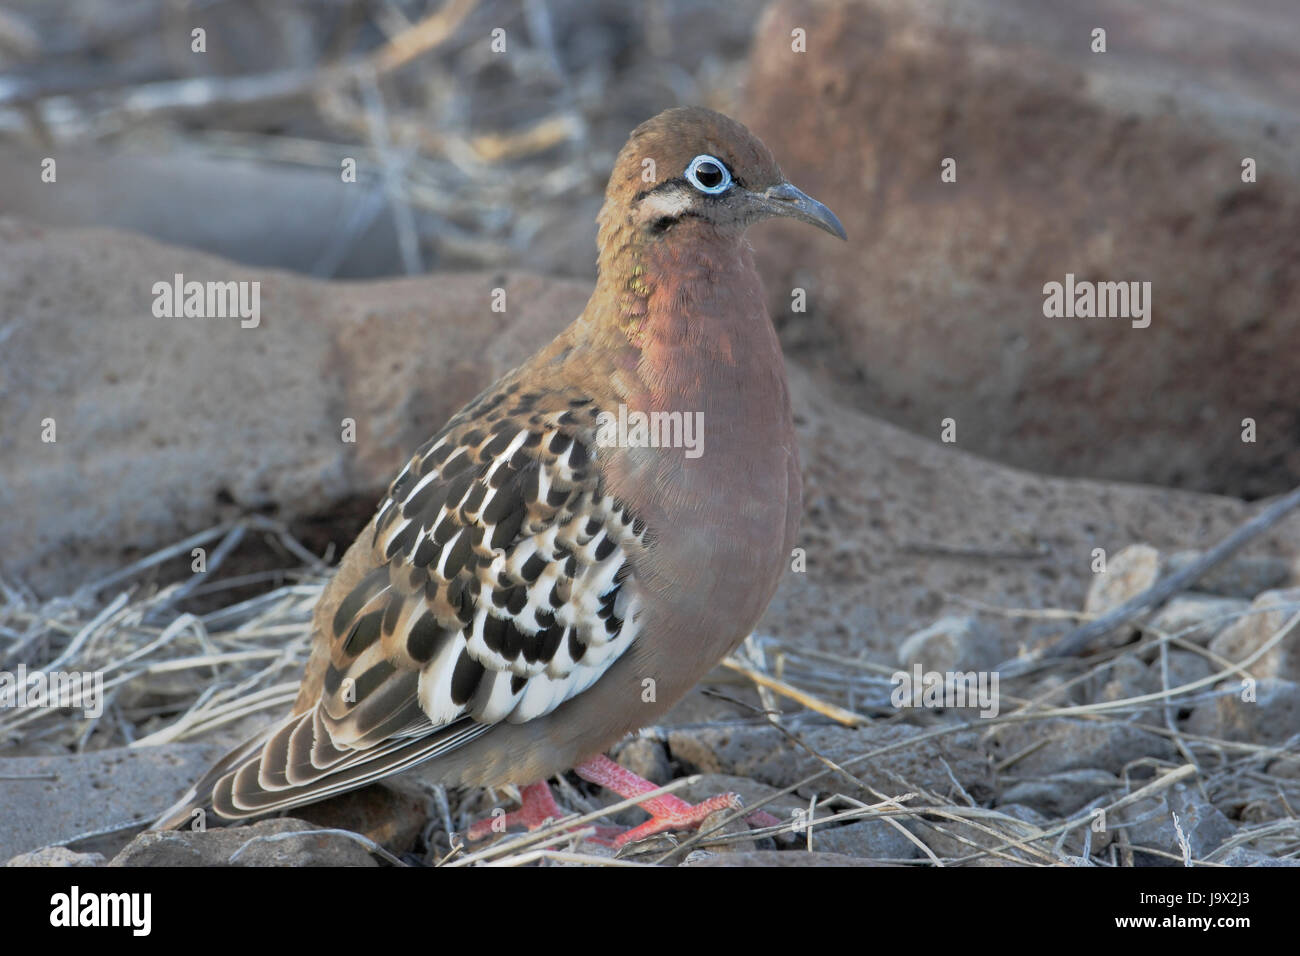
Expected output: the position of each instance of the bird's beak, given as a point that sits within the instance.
(785, 200)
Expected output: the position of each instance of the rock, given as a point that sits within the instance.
(170, 199)
(1061, 794)
(1074, 744)
(1242, 577)
(955, 839)
(1184, 668)
(951, 644)
(1128, 573)
(1286, 766)
(873, 839)
(646, 758)
(779, 858)
(1270, 611)
(50, 800)
(1125, 678)
(763, 754)
(750, 792)
(1271, 716)
(1128, 677)
(391, 813)
(1245, 856)
(1062, 164)
(132, 403)
(245, 846)
(1146, 823)
(1153, 826)
(1197, 617)
(1203, 824)
(57, 856)
(1096, 836)
(735, 828)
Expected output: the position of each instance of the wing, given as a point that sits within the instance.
(499, 588)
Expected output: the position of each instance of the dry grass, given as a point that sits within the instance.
(171, 675)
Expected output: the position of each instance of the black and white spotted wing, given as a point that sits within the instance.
(498, 591)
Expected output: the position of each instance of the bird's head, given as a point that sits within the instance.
(691, 162)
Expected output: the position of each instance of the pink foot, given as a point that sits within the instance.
(537, 807)
(667, 812)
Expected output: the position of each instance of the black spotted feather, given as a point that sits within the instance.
(501, 586)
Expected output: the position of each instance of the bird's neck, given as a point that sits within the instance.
(684, 311)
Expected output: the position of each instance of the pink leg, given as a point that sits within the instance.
(537, 806)
(667, 812)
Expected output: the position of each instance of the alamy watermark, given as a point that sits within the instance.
(53, 689)
(1083, 299)
(946, 689)
(208, 300)
(651, 430)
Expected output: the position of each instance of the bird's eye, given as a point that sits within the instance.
(708, 175)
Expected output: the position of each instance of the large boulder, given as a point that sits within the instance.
(1117, 166)
(165, 426)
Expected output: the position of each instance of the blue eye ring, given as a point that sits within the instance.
(706, 183)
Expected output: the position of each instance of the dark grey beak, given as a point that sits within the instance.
(785, 200)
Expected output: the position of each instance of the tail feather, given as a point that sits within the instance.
(181, 814)
(294, 763)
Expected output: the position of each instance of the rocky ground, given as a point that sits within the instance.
(1178, 744)
(1173, 739)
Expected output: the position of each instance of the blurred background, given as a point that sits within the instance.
(482, 132)
(496, 157)
(1113, 140)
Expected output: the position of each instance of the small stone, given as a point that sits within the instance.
(57, 856)
(1271, 610)
(750, 793)
(1075, 744)
(646, 758)
(1246, 856)
(1198, 618)
(1185, 667)
(1126, 678)
(1061, 794)
(764, 754)
(217, 847)
(390, 813)
(1202, 825)
(1096, 836)
(1128, 573)
(873, 839)
(737, 827)
(781, 858)
(951, 644)
(1269, 715)
(1241, 577)
(1286, 766)
(951, 839)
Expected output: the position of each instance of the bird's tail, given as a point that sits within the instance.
(296, 761)
(192, 810)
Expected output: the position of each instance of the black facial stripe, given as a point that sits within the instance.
(663, 223)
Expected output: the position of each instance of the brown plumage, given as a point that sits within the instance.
(526, 594)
